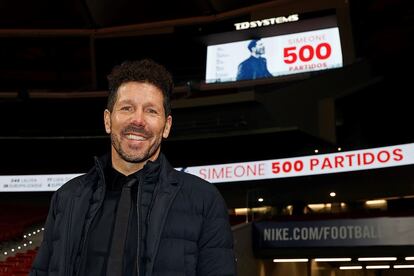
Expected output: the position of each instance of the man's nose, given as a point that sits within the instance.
(138, 117)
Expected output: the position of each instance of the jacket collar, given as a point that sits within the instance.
(152, 171)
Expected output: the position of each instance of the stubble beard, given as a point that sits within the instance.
(137, 158)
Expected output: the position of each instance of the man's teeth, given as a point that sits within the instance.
(135, 137)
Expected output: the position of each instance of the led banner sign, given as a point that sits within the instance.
(308, 165)
(346, 161)
(274, 56)
(381, 231)
(34, 183)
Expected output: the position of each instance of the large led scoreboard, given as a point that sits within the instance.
(283, 45)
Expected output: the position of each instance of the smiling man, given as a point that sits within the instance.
(132, 213)
(137, 123)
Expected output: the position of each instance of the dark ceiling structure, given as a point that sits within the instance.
(93, 14)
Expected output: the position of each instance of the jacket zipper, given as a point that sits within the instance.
(68, 228)
(139, 224)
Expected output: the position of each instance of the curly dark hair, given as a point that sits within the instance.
(146, 71)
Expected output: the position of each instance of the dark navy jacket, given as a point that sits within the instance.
(188, 232)
(253, 68)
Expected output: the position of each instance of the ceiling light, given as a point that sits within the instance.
(409, 258)
(332, 194)
(319, 206)
(241, 211)
(376, 202)
(333, 259)
(350, 267)
(290, 260)
(369, 259)
(244, 211)
(260, 199)
(403, 266)
(377, 267)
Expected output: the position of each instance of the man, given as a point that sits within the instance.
(132, 213)
(255, 66)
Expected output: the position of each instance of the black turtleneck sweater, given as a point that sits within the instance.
(100, 235)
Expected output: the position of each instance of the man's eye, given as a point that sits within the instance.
(126, 108)
(153, 111)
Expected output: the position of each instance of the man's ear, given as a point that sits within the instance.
(167, 127)
(107, 121)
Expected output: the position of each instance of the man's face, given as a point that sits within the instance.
(137, 122)
(259, 49)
